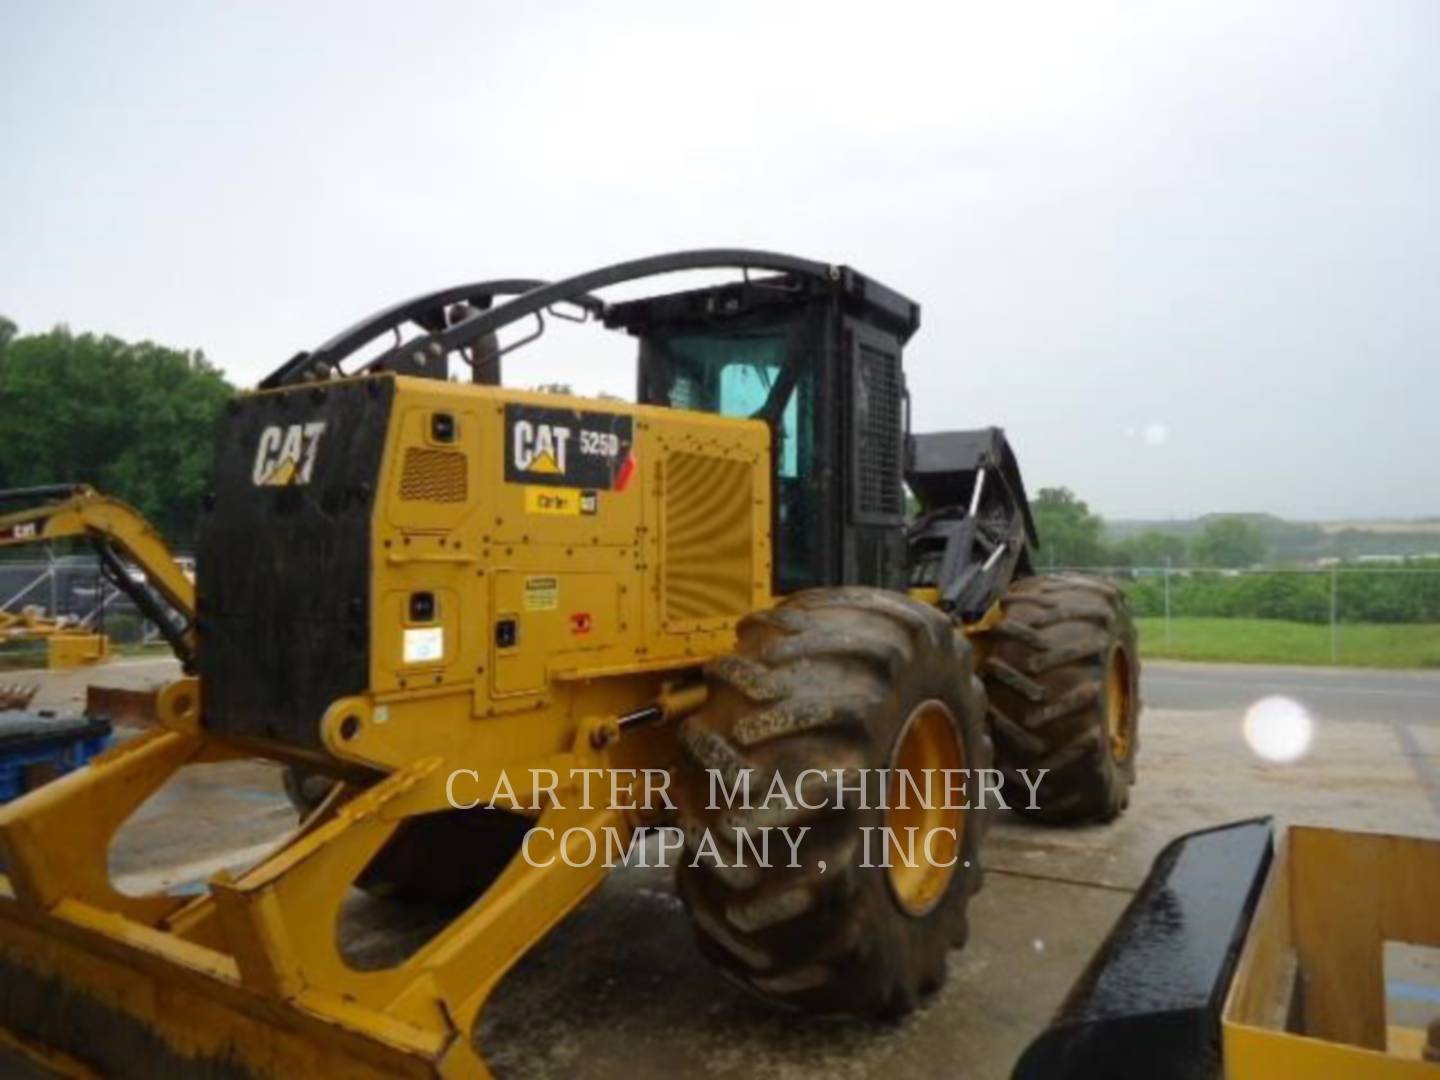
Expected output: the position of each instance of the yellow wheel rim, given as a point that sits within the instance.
(1119, 716)
(928, 745)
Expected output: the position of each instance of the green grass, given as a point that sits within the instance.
(1275, 641)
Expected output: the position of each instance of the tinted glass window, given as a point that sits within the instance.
(736, 375)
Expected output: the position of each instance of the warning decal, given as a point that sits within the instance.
(542, 593)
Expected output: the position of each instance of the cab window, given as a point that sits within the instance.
(739, 375)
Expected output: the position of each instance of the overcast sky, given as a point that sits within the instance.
(1188, 254)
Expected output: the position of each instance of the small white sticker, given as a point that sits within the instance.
(424, 644)
(542, 593)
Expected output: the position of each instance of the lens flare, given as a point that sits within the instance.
(1279, 729)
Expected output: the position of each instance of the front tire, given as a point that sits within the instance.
(835, 679)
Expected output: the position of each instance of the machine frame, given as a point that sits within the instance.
(314, 563)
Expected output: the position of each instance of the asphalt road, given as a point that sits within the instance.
(1337, 693)
(1407, 702)
(1345, 693)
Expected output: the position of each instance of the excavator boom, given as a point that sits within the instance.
(119, 534)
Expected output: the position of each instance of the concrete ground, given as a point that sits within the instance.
(620, 989)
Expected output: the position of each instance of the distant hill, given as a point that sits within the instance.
(1430, 526)
(1299, 541)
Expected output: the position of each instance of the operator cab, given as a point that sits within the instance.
(821, 366)
(812, 349)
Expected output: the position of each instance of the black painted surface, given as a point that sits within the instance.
(23, 731)
(1148, 1005)
(565, 447)
(284, 571)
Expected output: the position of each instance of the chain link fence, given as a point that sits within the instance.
(72, 589)
(1377, 616)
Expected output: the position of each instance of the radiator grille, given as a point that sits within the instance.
(437, 476)
(878, 435)
(709, 537)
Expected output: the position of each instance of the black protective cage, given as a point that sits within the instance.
(848, 332)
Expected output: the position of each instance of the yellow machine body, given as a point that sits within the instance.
(609, 592)
(613, 599)
(72, 650)
(66, 644)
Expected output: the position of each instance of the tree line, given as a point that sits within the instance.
(136, 420)
(1358, 595)
(1071, 534)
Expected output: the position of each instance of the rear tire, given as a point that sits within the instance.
(1062, 676)
(831, 679)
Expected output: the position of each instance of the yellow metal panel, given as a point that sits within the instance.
(520, 668)
(430, 487)
(67, 649)
(560, 619)
(434, 476)
(425, 653)
(1257, 1054)
(647, 575)
(709, 538)
(1330, 902)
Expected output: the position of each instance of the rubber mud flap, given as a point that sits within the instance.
(1148, 1004)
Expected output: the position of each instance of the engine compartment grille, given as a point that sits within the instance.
(878, 434)
(709, 538)
(438, 476)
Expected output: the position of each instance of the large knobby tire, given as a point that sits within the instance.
(1062, 676)
(835, 679)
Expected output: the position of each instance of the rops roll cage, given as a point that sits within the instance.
(465, 318)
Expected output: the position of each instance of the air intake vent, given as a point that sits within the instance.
(436, 476)
(879, 496)
(709, 538)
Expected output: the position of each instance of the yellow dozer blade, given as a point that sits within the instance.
(140, 1002)
(248, 979)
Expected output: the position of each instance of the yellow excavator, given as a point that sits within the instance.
(117, 532)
